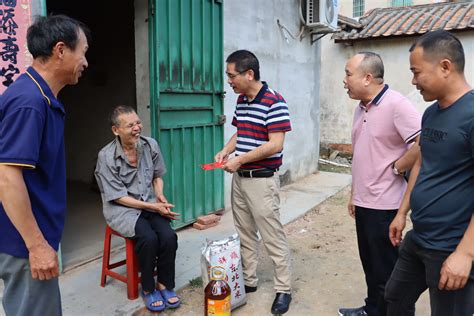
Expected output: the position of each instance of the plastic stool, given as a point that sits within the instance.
(131, 277)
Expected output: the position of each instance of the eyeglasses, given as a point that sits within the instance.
(232, 76)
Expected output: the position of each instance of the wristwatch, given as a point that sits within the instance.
(395, 170)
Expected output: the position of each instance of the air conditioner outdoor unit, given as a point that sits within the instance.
(321, 15)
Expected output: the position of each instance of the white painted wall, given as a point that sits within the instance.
(142, 64)
(291, 68)
(336, 107)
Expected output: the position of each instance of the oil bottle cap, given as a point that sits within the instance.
(217, 273)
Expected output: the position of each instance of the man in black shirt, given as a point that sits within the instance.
(438, 253)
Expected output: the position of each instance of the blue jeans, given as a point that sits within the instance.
(418, 269)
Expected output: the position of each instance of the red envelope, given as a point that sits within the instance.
(211, 166)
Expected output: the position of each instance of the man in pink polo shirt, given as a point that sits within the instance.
(385, 123)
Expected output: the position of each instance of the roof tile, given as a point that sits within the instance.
(403, 21)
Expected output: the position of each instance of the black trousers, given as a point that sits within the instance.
(418, 269)
(156, 245)
(377, 254)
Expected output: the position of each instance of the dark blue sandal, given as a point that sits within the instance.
(167, 294)
(152, 298)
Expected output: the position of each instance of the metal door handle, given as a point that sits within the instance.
(221, 119)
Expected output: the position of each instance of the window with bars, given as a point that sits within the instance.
(401, 3)
(358, 8)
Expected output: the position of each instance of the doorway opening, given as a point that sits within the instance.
(110, 80)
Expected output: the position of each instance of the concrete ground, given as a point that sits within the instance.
(82, 295)
(326, 270)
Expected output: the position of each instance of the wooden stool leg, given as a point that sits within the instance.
(132, 270)
(106, 255)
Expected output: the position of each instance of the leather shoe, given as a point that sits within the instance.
(250, 289)
(281, 304)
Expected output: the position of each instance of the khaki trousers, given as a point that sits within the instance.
(256, 208)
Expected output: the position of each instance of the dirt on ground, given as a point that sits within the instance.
(327, 273)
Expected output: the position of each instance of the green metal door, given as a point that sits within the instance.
(186, 78)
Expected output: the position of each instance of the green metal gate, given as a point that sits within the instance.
(186, 78)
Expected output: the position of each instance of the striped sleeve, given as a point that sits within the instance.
(278, 118)
(234, 119)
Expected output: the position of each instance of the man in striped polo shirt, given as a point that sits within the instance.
(262, 119)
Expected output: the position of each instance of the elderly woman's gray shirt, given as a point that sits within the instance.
(117, 178)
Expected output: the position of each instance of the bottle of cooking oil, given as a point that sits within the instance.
(217, 294)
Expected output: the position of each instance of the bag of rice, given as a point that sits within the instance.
(225, 253)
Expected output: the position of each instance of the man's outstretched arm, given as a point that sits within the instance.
(406, 162)
(273, 146)
(399, 222)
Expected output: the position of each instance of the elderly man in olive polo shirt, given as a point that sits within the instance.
(129, 174)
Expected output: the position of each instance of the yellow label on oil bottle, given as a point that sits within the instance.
(218, 307)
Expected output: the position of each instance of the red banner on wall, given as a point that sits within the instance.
(15, 18)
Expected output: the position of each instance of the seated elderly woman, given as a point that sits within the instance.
(129, 174)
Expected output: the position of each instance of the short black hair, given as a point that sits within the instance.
(47, 31)
(442, 45)
(245, 60)
(372, 63)
(119, 110)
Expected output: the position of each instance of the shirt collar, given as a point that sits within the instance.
(44, 89)
(259, 95)
(119, 153)
(378, 98)
(118, 149)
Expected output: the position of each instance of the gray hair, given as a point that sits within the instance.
(119, 110)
